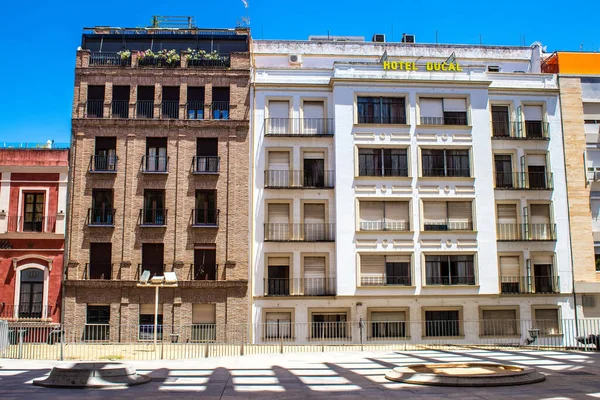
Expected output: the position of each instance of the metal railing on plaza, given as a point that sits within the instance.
(105, 340)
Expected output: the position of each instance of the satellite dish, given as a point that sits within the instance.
(144, 278)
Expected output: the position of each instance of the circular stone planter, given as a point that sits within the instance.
(465, 374)
(92, 375)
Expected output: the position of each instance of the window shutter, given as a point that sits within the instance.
(536, 160)
(434, 213)
(314, 213)
(533, 113)
(591, 111)
(507, 213)
(539, 214)
(431, 108)
(149, 309)
(397, 259)
(314, 155)
(314, 267)
(542, 260)
(388, 316)
(203, 314)
(313, 109)
(509, 266)
(396, 211)
(278, 316)
(499, 315)
(278, 261)
(279, 213)
(372, 266)
(460, 214)
(279, 160)
(279, 109)
(457, 105)
(371, 212)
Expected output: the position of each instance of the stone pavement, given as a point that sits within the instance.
(570, 375)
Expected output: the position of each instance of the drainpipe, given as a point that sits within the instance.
(251, 182)
(568, 211)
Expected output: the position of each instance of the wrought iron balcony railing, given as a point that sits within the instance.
(101, 216)
(103, 59)
(153, 217)
(525, 232)
(446, 172)
(299, 179)
(450, 280)
(205, 217)
(31, 223)
(205, 164)
(524, 180)
(384, 225)
(385, 280)
(219, 61)
(103, 164)
(94, 109)
(310, 232)
(385, 119)
(155, 164)
(376, 170)
(299, 127)
(204, 272)
(219, 110)
(444, 121)
(144, 109)
(195, 110)
(529, 284)
(119, 109)
(536, 130)
(169, 109)
(25, 311)
(95, 270)
(300, 286)
(448, 225)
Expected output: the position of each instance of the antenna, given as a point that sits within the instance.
(245, 19)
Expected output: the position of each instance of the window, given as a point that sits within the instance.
(203, 322)
(156, 159)
(384, 216)
(500, 121)
(279, 118)
(31, 294)
(382, 162)
(33, 220)
(546, 320)
(499, 323)
(146, 322)
(510, 276)
(95, 101)
(105, 158)
(543, 276)
(102, 212)
(381, 110)
(597, 261)
(313, 173)
(97, 322)
(145, 102)
(195, 102)
(447, 216)
(388, 324)
(277, 227)
(170, 102)
(206, 211)
(205, 264)
(507, 227)
(450, 163)
(436, 111)
(539, 222)
(315, 228)
(442, 323)
(378, 270)
(154, 212)
(450, 270)
(278, 172)
(120, 102)
(534, 121)
(278, 276)
(153, 258)
(278, 325)
(493, 68)
(314, 122)
(536, 168)
(100, 266)
(207, 155)
(504, 175)
(220, 103)
(328, 325)
(315, 281)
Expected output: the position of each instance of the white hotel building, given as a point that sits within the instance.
(406, 196)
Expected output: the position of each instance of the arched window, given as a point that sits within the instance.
(31, 302)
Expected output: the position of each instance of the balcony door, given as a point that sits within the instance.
(100, 261)
(313, 121)
(315, 282)
(507, 222)
(153, 258)
(500, 121)
(207, 155)
(278, 282)
(33, 220)
(31, 295)
(102, 207)
(278, 226)
(510, 276)
(534, 117)
(536, 168)
(278, 174)
(206, 207)
(105, 158)
(314, 222)
(314, 169)
(205, 264)
(539, 227)
(156, 154)
(504, 174)
(279, 113)
(154, 207)
(542, 275)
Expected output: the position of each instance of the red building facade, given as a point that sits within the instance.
(33, 202)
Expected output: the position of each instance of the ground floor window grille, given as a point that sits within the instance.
(329, 326)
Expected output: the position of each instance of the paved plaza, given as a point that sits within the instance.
(570, 375)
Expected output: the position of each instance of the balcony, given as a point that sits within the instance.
(94, 109)
(385, 280)
(457, 120)
(155, 164)
(299, 179)
(297, 127)
(169, 109)
(144, 109)
(446, 173)
(97, 271)
(448, 225)
(204, 272)
(156, 217)
(119, 109)
(384, 119)
(30, 223)
(384, 226)
(219, 110)
(205, 218)
(28, 311)
(102, 59)
(103, 164)
(101, 217)
(210, 61)
(529, 284)
(525, 232)
(450, 280)
(524, 180)
(312, 232)
(195, 110)
(300, 287)
(376, 171)
(205, 165)
(532, 130)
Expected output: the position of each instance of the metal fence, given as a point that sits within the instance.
(136, 342)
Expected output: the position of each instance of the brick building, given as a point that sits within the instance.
(159, 181)
(33, 199)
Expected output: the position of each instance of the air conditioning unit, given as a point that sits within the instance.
(379, 38)
(295, 59)
(408, 38)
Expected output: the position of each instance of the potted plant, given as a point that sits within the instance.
(124, 56)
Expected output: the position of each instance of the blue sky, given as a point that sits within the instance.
(39, 37)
